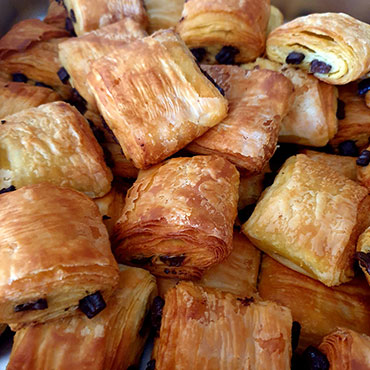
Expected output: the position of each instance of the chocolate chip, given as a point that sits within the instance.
(227, 55)
(294, 58)
(364, 158)
(157, 311)
(181, 19)
(364, 86)
(40, 304)
(246, 301)
(69, 27)
(220, 89)
(63, 75)
(348, 148)
(7, 190)
(141, 261)
(363, 260)
(73, 16)
(41, 84)
(92, 304)
(78, 101)
(296, 331)
(341, 113)
(105, 217)
(151, 364)
(3, 121)
(175, 261)
(19, 77)
(319, 67)
(314, 359)
(199, 53)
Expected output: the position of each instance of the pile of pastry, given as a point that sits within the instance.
(198, 171)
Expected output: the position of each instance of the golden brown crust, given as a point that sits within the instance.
(178, 217)
(56, 15)
(54, 246)
(112, 340)
(336, 39)
(213, 24)
(52, 143)
(157, 103)
(258, 100)
(276, 19)
(208, 329)
(104, 12)
(317, 308)
(307, 220)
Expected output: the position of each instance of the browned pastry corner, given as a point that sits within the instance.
(55, 255)
(258, 101)
(225, 31)
(178, 217)
(309, 220)
(112, 340)
(154, 97)
(317, 308)
(57, 15)
(209, 329)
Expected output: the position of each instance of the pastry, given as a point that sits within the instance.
(52, 143)
(276, 19)
(309, 220)
(258, 100)
(225, 31)
(346, 350)
(363, 253)
(154, 97)
(363, 168)
(57, 15)
(178, 217)
(78, 54)
(112, 340)
(311, 119)
(86, 18)
(332, 46)
(317, 308)
(209, 329)
(55, 256)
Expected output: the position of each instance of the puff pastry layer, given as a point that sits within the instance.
(335, 46)
(178, 217)
(154, 97)
(317, 308)
(258, 100)
(55, 247)
(308, 220)
(112, 340)
(276, 19)
(52, 143)
(215, 24)
(208, 329)
(57, 15)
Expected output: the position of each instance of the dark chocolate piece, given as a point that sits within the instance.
(314, 359)
(294, 58)
(166, 271)
(319, 67)
(7, 190)
(348, 148)
(199, 53)
(92, 304)
(63, 75)
(175, 261)
(40, 304)
(41, 84)
(364, 158)
(363, 260)
(78, 101)
(341, 113)
(3, 121)
(141, 261)
(69, 27)
(151, 364)
(364, 86)
(157, 311)
(227, 55)
(246, 301)
(19, 77)
(105, 217)
(296, 331)
(73, 16)
(220, 89)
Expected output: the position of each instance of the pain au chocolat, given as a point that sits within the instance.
(178, 217)
(55, 255)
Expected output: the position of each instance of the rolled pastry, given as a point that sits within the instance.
(86, 18)
(309, 220)
(208, 329)
(332, 46)
(363, 253)
(346, 349)
(317, 308)
(225, 31)
(55, 256)
(57, 15)
(258, 101)
(178, 217)
(154, 97)
(112, 340)
(52, 143)
(276, 19)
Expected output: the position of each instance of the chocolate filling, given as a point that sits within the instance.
(348, 148)
(105, 217)
(319, 67)
(296, 331)
(40, 304)
(314, 359)
(73, 16)
(294, 58)
(341, 113)
(363, 260)
(246, 301)
(142, 261)
(3, 121)
(227, 55)
(41, 84)
(364, 86)
(199, 53)
(157, 311)
(175, 261)
(151, 364)
(220, 89)
(19, 77)
(69, 27)
(7, 190)
(364, 158)
(92, 304)
(63, 75)
(78, 101)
